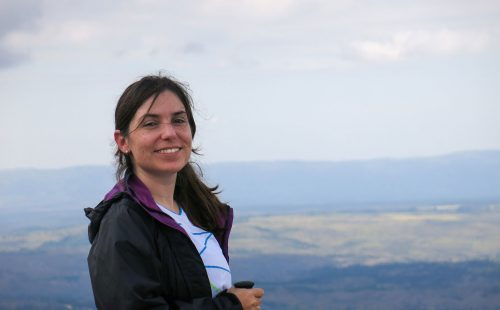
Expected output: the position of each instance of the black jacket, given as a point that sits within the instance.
(140, 261)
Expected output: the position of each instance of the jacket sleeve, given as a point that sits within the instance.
(124, 268)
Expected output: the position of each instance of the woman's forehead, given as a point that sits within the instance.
(166, 103)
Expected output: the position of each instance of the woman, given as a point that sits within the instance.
(160, 236)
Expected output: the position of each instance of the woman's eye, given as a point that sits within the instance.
(179, 121)
(149, 124)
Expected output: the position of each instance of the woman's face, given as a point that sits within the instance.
(159, 139)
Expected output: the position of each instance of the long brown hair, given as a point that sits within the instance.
(198, 200)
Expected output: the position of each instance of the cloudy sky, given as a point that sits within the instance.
(272, 80)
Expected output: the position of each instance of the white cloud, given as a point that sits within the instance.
(16, 16)
(282, 34)
(260, 9)
(415, 43)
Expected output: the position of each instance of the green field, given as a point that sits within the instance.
(438, 234)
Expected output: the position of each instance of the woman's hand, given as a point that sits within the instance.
(250, 298)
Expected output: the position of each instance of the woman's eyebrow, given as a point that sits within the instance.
(148, 115)
(153, 115)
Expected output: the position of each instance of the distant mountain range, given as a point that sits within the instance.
(278, 186)
(459, 177)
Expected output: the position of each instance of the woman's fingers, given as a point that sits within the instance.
(249, 298)
(258, 292)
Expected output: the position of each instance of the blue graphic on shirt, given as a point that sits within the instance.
(209, 249)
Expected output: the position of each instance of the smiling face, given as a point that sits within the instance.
(159, 137)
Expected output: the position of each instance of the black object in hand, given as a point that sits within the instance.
(244, 284)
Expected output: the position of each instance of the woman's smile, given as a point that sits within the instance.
(168, 150)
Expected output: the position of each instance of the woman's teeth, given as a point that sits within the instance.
(171, 150)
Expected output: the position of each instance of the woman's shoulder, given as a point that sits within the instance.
(119, 214)
(125, 211)
(117, 205)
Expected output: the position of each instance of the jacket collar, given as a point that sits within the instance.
(138, 191)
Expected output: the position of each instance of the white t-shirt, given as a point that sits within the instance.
(209, 249)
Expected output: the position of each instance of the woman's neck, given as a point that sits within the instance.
(162, 188)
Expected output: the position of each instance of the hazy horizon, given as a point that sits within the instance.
(202, 162)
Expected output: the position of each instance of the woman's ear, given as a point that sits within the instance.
(121, 142)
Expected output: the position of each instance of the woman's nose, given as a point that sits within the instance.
(167, 130)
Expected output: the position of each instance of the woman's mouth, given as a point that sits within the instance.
(168, 150)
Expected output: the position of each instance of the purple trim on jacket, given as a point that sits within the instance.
(133, 186)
